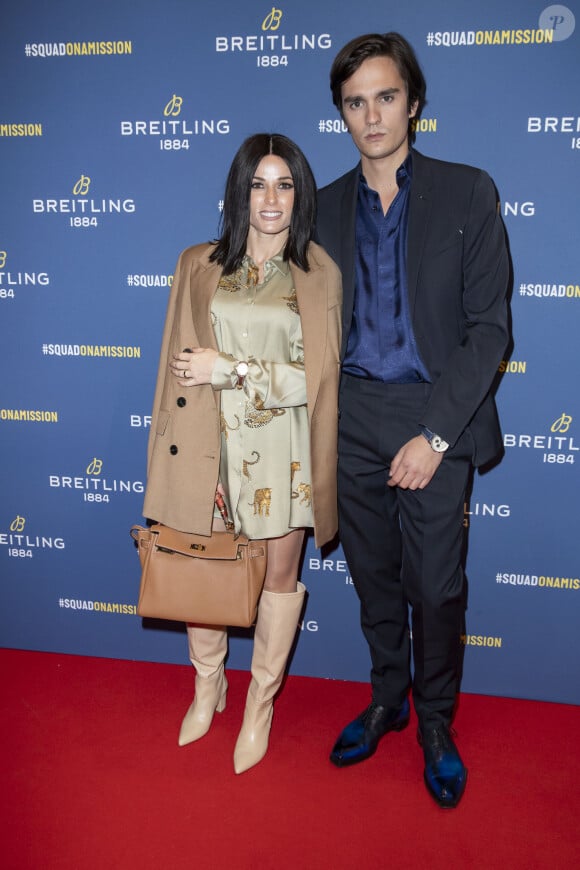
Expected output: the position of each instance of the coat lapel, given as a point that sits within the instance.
(202, 287)
(312, 295)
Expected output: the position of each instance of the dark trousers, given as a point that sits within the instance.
(404, 549)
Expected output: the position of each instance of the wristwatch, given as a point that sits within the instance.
(241, 370)
(435, 442)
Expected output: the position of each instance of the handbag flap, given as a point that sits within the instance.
(221, 545)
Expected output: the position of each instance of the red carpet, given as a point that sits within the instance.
(94, 779)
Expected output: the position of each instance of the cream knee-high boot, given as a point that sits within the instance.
(278, 615)
(207, 651)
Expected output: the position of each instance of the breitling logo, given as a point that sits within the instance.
(81, 204)
(93, 486)
(174, 105)
(95, 466)
(562, 424)
(17, 524)
(175, 126)
(269, 40)
(21, 544)
(559, 446)
(272, 20)
(81, 188)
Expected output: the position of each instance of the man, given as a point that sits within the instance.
(425, 270)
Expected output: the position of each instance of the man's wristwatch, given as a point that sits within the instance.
(435, 442)
(241, 370)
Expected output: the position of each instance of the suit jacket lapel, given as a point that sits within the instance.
(347, 217)
(419, 213)
(347, 221)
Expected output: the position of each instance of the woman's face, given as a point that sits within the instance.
(272, 197)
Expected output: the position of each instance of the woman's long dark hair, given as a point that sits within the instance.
(230, 250)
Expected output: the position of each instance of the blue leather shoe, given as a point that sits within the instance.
(359, 740)
(445, 774)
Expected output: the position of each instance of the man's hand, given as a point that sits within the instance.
(414, 465)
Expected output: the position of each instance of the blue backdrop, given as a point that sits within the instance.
(118, 121)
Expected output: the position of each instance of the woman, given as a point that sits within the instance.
(246, 405)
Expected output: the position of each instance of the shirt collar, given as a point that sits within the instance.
(275, 263)
(404, 172)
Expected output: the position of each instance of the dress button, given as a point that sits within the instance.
(181, 402)
(173, 449)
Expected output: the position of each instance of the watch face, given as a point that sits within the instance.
(438, 444)
(242, 369)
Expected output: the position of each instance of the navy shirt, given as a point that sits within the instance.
(381, 344)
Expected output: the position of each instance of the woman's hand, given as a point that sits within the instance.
(195, 367)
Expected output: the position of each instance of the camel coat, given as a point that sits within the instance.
(184, 442)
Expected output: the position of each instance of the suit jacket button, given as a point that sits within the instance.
(181, 402)
(173, 449)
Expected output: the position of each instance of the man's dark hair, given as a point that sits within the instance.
(392, 45)
(229, 251)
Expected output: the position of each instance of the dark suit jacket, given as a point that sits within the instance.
(457, 269)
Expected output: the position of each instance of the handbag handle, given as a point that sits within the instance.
(135, 533)
(221, 505)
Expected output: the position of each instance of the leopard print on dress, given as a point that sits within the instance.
(225, 428)
(262, 501)
(246, 464)
(232, 283)
(294, 467)
(255, 419)
(304, 492)
(292, 302)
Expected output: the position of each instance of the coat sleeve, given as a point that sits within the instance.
(468, 372)
(163, 372)
(324, 419)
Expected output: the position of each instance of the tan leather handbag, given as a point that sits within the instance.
(213, 580)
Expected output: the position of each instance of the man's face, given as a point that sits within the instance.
(375, 109)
